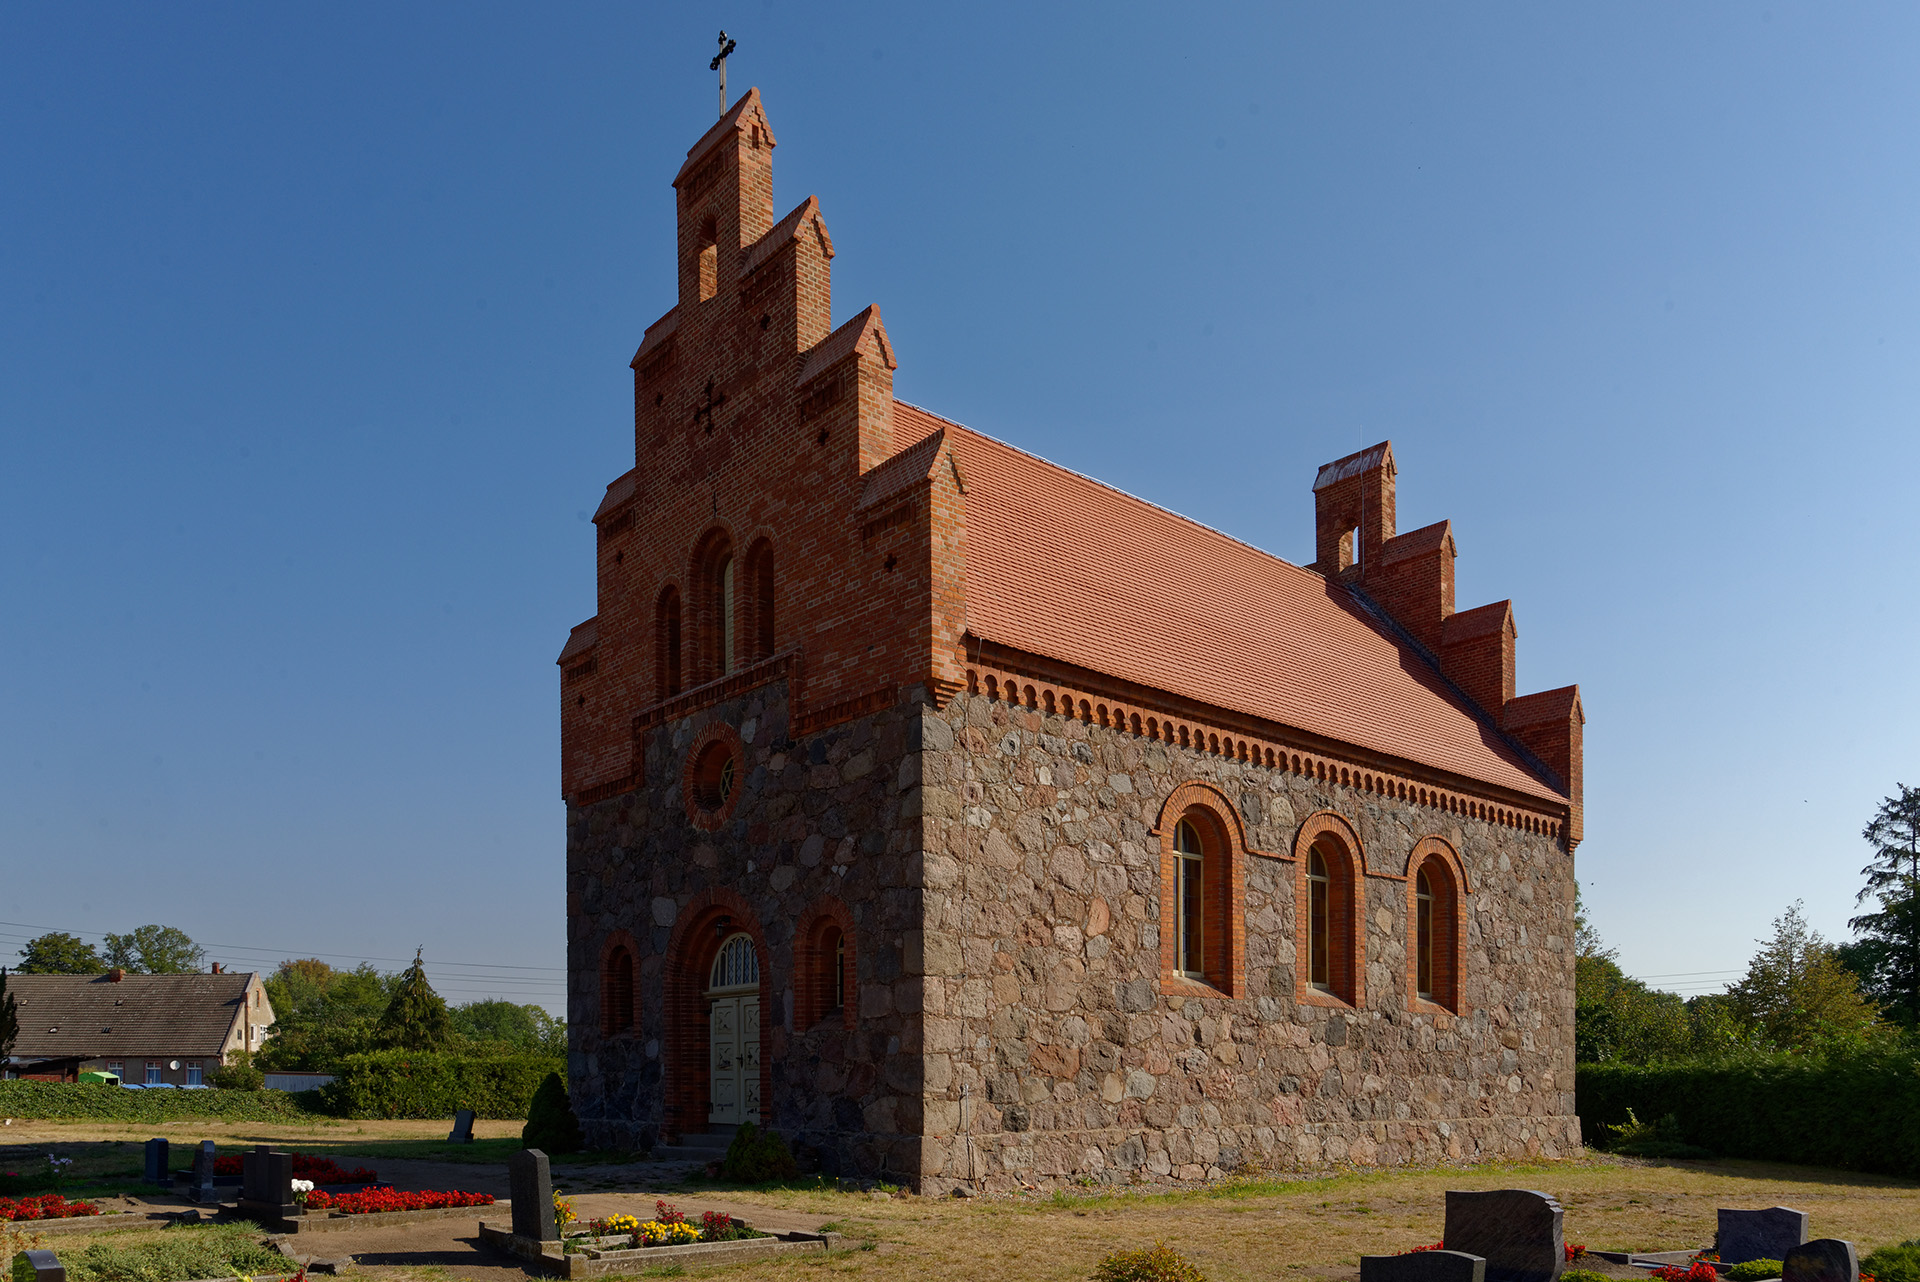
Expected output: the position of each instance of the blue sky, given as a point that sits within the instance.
(314, 326)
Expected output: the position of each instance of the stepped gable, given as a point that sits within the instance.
(1191, 611)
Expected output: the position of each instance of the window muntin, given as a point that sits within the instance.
(193, 1072)
(1319, 922)
(1190, 907)
(1423, 936)
(736, 966)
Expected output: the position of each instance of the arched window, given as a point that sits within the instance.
(736, 965)
(616, 992)
(713, 569)
(1202, 892)
(725, 588)
(666, 638)
(1190, 893)
(823, 957)
(1319, 923)
(1434, 928)
(1329, 946)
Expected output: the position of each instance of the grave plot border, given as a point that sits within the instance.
(337, 1222)
(556, 1264)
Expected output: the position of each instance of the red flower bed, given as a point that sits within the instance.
(48, 1206)
(1699, 1272)
(321, 1170)
(376, 1200)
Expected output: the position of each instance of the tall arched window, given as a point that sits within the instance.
(616, 992)
(823, 958)
(667, 643)
(725, 588)
(1190, 910)
(1434, 927)
(713, 592)
(1202, 892)
(1329, 943)
(1319, 923)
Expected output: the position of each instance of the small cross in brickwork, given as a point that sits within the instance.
(706, 411)
(719, 64)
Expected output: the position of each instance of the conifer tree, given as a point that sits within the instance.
(1797, 994)
(1887, 958)
(416, 1019)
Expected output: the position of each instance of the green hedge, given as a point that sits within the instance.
(432, 1084)
(1856, 1112)
(89, 1100)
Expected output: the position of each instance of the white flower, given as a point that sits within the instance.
(303, 1186)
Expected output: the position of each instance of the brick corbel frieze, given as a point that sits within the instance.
(1048, 687)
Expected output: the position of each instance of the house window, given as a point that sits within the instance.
(1190, 910)
(118, 1068)
(154, 1073)
(193, 1072)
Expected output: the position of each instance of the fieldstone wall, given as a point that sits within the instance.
(1052, 1053)
(834, 815)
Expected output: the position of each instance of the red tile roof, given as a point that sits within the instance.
(1064, 567)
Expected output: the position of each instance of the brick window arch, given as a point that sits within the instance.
(826, 972)
(617, 1013)
(1436, 927)
(708, 248)
(666, 643)
(1330, 961)
(715, 595)
(1203, 884)
(757, 597)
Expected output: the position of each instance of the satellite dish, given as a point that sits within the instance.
(175, 1065)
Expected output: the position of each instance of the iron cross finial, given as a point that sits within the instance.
(719, 64)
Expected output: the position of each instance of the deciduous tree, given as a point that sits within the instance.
(155, 950)
(58, 953)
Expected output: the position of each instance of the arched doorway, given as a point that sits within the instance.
(733, 1033)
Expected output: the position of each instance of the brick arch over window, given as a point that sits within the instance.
(698, 932)
(1343, 933)
(668, 653)
(1223, 880)
(756, 592)
(1447, 887)
(713, 594)
(826, 973)
(619, 973)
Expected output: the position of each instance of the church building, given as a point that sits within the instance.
(972, 823)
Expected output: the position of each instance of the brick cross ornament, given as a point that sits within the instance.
(706, 411)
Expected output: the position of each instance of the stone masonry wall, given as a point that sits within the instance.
(828, 816)
(1052, 1052)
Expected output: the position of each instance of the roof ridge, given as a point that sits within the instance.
(1111, 488)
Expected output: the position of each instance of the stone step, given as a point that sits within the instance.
(710, 1146)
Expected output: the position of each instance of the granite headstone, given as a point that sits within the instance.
(1821, 1260)
(266, 1187)
(531, 1184)
(1516, 1231)
(1759, 1235)
(462, 1132)
(158, 1160)
(201, 1189)
(1423, 1266)
(46, 1266)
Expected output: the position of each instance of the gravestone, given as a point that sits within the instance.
(462, 1132)
(531, 1184)
(201, 1189)
(266, 1186)
(46, 1266)
(1423, 1266)
(1516, 1231)
(158, 1160)
(1759, 1235)
(1821, 1260)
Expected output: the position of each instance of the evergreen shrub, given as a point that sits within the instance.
(756, 1156)
(551, 1126)
(1894, 1263)
(434, 1084)
(1857, 1110)
(1755, 1270)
